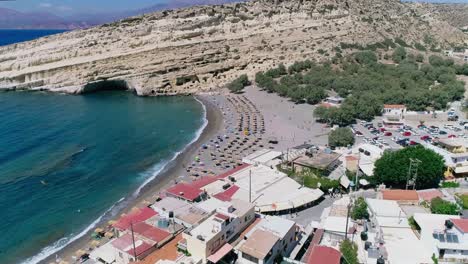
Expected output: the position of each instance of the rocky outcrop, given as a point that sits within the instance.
(200, 49)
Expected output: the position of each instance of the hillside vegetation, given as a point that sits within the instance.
(367, 84)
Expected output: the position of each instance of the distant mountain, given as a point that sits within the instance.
(12, 19)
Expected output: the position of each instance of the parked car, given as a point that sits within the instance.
(388, 134)
(358, 134)
(452, 136)
(413, 143)
(425, 137)
(406, 134)
(442, 132)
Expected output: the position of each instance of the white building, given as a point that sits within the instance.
(212, 234)
(367, 156)
(271, 237)
(269, 189)
(455, 153)
(392, 234)
(393, 116)
(448, 243)
(265, 157)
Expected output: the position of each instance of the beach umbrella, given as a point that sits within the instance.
(95, 243)
(80, 252)
(99, 230)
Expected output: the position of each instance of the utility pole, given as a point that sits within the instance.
(133, 241)
(347, 218)
(250, 186)
(357, 173)
(412, 173)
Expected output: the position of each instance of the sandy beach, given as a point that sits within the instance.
(237, 126)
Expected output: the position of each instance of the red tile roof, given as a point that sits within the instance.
(428, 195)
(323, 254)
(125, 243)
(135, 216)
(185, 191)
(204, 181)
(153, 233)
(351, 157)
(461, 224)
(227, 194)
(400, 195)
(222, 216)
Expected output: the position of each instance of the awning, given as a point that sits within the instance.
(344, 181)
(363, 182)
(218, 255)
(463, 169)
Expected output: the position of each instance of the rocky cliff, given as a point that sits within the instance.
(201, 48)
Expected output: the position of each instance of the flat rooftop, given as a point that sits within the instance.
(259, 244)
(320, 160)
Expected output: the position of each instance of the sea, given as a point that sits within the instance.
(11, 36)
(68, 160)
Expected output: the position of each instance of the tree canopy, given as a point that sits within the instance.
(349, 251)
(360, 209)
(238, 84)
(367, 84)
(392, 168)
(341, 137)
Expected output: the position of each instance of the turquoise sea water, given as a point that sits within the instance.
(65, 160)
(10, 36)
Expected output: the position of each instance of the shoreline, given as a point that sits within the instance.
(172, 170)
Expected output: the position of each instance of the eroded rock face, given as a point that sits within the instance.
(200, 49)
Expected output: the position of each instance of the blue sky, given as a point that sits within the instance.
(77, 6)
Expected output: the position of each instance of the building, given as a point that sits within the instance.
(429, 194)
(368, 154)
(391, 236)
(182, 212)
(335, 230)
(324, 254)
(352, 163)
(137, 215)
(270, 190)
(271, 238)
(125, 252)
(186, 192)
(265, 157)
(454, 151)
(324, 160)
(212, 234)
(447, 242)
(393, 116)
(401, 196)
(334, 100)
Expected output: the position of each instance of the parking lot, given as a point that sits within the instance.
(412, 133)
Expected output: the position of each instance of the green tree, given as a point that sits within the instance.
(399, 54)
(349, 252)
(392, 168)
(238, 84)
(365, 57)
(360, 209)
(341, 137)
(439, 206)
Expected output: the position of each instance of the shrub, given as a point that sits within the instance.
(360, 209)
(399, 55)
(365, 57)
(463, 199)
(341, 137)
(439, 206)
(238, 84)
(450, 185)
(349, 252)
